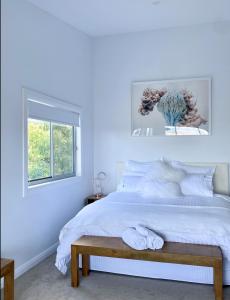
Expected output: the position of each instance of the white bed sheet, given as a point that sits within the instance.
(200, 220)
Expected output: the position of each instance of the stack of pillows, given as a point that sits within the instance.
(164, 178)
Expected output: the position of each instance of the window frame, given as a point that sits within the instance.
(54, 102)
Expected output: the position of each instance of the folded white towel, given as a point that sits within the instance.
(141, 237)
(153, 240)
(134, 239)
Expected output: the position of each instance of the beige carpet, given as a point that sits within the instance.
(44, 282)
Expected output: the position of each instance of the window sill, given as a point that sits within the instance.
(51, 184)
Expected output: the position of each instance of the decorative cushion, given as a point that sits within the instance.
(160, 189)
(129, 184)
(163, 171)
(197, 185)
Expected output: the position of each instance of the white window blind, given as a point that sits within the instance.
(41, 110)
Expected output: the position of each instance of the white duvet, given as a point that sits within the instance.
(191, 219)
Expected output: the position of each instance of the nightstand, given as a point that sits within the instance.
(92, 198)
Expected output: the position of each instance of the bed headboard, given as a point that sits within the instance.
(221, 176)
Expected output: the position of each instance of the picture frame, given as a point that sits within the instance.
(171, 107)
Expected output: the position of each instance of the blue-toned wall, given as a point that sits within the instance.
(42, 53)
(181, 52)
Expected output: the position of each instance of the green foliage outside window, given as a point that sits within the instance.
(63, 149)
(40, 154)
(38, 149)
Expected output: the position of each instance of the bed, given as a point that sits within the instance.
(193, 220)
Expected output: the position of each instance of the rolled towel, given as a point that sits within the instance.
(134, 239)
(154, 241)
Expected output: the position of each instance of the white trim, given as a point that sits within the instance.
(50, 100)
(44, 185)
(78, 151)
(173, 80)
(24, 144)
(34, 261)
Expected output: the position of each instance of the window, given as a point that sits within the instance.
(51, 151)
(52, 141)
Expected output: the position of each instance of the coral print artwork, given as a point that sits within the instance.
(171, 107)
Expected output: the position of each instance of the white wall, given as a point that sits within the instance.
(45, 54)
(163, 54)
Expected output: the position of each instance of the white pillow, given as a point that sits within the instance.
(133, 173)
(138, 166)
(163, 171)
(191, 169)
(129, 184)
(160, 189)
(197, 185)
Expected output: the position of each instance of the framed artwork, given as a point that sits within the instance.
(171, 107)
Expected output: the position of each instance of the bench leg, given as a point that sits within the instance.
(74, 266)
(9, 284)
(218, 280)
(85, 264)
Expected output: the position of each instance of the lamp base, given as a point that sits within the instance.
(98, 195)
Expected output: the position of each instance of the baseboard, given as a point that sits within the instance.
(34, 261)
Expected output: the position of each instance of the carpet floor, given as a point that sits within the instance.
(44, 282)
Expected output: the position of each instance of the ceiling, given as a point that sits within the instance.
(106, 17)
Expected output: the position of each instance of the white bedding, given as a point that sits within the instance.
(191, 219)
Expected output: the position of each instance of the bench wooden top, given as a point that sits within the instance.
(98, 243)
(6, 265)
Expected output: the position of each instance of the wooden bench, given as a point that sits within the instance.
(7, 271)
(177, 253)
